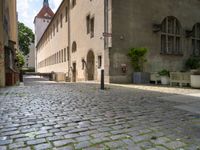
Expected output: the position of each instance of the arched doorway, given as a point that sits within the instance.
(90, 65)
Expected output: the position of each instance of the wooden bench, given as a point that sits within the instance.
(179, 78)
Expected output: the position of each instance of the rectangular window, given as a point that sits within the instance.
(61, 20)
(57, 25)
(99, 61)
(92, 27)
(65, 55)
(66, 14)
(62, 58)
(53, 29)
(88, 24)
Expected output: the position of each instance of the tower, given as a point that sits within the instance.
(42, 20)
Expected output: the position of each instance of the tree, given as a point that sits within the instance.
(26, 37)
(20, 59)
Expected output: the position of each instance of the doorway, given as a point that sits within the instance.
(90, 65)
(74, 72)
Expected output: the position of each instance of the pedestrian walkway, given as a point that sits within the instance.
(70, 116)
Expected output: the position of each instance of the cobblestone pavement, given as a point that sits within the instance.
(58, 116)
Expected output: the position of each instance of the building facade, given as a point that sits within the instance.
(87, 36)
(8, 42)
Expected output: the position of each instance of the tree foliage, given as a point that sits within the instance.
(26, 37)
(20, 59)
(138, 58)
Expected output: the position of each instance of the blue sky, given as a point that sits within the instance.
(28, 9)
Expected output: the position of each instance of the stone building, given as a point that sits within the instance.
(86, 36)
(8, 42)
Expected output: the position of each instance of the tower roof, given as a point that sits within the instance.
(46, 11)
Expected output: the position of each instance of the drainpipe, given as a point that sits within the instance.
(69, 40)
(105, 23)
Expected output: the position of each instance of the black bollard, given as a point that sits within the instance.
(102, 80)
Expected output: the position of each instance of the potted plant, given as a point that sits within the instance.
(192, 64)
(195, 79)
(164, 74)
(138, 58)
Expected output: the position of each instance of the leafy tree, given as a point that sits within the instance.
(138, 58)
(20, 59)
(26, 37)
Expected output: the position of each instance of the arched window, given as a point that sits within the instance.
(171, 36)
(196, 39)
(74, 47)
(73, 3)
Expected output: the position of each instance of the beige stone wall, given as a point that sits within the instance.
(50, 44)
(8, 11)
(78, 33)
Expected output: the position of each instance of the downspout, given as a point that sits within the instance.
(105, 23)
(69, 41)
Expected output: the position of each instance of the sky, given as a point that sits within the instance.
(28, 9)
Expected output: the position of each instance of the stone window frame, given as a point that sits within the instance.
(92, 26)
(73, 3)
(61, 20)
(171, 36)
(74, 47)
(66, 14)
(196, 40)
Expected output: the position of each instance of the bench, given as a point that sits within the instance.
(179, 78)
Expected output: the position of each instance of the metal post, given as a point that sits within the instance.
(102, 80)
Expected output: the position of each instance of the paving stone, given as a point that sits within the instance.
(16, 145)
(63, 142)
(175, 144)
(55, 138)
(115, 144)
(64, 148)
(81, 145)
(43, 146)
(3, 148)
(36, 141)
(5, 142)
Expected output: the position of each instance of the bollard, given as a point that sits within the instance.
(102, 80)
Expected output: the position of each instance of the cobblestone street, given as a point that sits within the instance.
(67, 116)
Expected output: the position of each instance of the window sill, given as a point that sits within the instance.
(171, 54)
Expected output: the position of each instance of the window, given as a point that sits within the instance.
(73, 3)
(62, 58)
(171, 36)
(92, 27)
(74, 47)
(88, 24)
(99, 61)
(57, 25)
(196, 39)
(65, 55)
(53, 29)
(66, 14)
(61, 20)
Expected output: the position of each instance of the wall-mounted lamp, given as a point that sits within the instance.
(156, 27)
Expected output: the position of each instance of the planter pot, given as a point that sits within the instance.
(141, 78)
(164, 80)
(195, 81)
